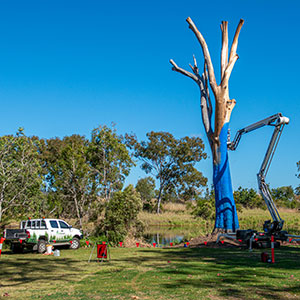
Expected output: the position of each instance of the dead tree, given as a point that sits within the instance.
(226, 215)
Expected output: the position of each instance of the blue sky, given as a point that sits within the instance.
(68, 66)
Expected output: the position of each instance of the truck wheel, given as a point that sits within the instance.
(15, 248)
(75, 244)
(41, 247)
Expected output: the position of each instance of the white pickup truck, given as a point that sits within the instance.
(37, 233)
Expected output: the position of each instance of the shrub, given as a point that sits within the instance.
(204, 209)
(121, 215)
(284, 196)
(247, 198)
(205, 206)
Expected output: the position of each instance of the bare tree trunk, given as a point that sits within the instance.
(0, 211)
(77, 210)
(226, 215)
(104, 175)
(159, 200)
(1, 201)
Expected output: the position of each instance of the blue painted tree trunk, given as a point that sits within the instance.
(226, 215)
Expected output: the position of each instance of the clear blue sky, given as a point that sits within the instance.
(68, 66)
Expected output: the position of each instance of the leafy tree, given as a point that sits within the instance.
(20, 175)
(50, 152)
(205, 205)
(109, 159)
(69, 174)
(248, 198)
(284, 196)
(190, 183)
(146, 188)
(80, 173)
(121, 215)
(171, 161)
(297, 190)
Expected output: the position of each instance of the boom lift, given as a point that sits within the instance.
(270, 227)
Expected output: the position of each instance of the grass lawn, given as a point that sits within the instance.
(152, 273)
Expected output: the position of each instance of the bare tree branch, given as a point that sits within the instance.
(195, 61)
(205, 79)
(235, 40)
(233, 56)
(205, 103)
(182, 71)
(223, 104)
(224, 52)
(228, 71)
(212, 78)
(205, 115)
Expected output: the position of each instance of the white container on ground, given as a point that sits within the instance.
(49, 249)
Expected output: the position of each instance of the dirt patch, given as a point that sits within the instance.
(132, 242)
(210, 241)
(288, 243)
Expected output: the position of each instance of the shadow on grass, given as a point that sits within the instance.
(230, 272)
(18, 270)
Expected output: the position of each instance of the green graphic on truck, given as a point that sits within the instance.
(37, 233)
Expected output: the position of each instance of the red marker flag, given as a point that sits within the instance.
(137, 244)
(87, 242)
(272, 249)
(154, 244)
(205, 243)
(1, 242)
(171, 244)
(121, 243)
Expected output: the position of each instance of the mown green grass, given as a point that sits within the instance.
(152, 273)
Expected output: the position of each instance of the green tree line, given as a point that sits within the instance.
(248, 198)
(80, 178)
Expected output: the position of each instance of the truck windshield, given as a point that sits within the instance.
(63, 225)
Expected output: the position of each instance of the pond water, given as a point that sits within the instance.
(167, 235)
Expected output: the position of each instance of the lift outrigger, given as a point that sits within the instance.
(271, 228)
